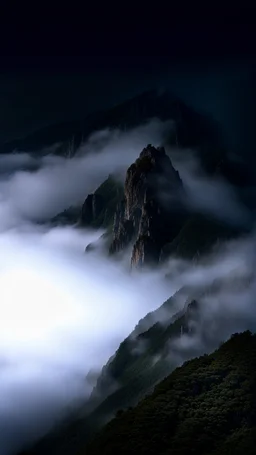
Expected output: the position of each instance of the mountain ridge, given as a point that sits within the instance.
(130, 113)
(188, 412)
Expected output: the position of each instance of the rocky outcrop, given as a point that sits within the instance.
(91, 209)
(200, 233)
(69, 216)
(191, 127)
(99, 208)
(150, 214)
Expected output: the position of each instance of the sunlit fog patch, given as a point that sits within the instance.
(59, 305)
(33, 306)
(49, 287)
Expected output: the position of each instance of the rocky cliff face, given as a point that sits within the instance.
(91, 209)
(150, 214)
(99, 207)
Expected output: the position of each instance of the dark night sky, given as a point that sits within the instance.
(60, 63)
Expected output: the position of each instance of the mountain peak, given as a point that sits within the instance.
(152, 152)
(142, 218)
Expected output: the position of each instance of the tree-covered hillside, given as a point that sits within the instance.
(205, 407)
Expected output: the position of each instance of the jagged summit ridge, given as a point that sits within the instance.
(143, 217)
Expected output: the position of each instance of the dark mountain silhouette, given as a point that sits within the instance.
(192, 128)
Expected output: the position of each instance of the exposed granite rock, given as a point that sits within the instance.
(145, 251)
(69, 216)
(150, 214)
(91, 209)
(123, 236)
(99, 208)
(123, 230)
